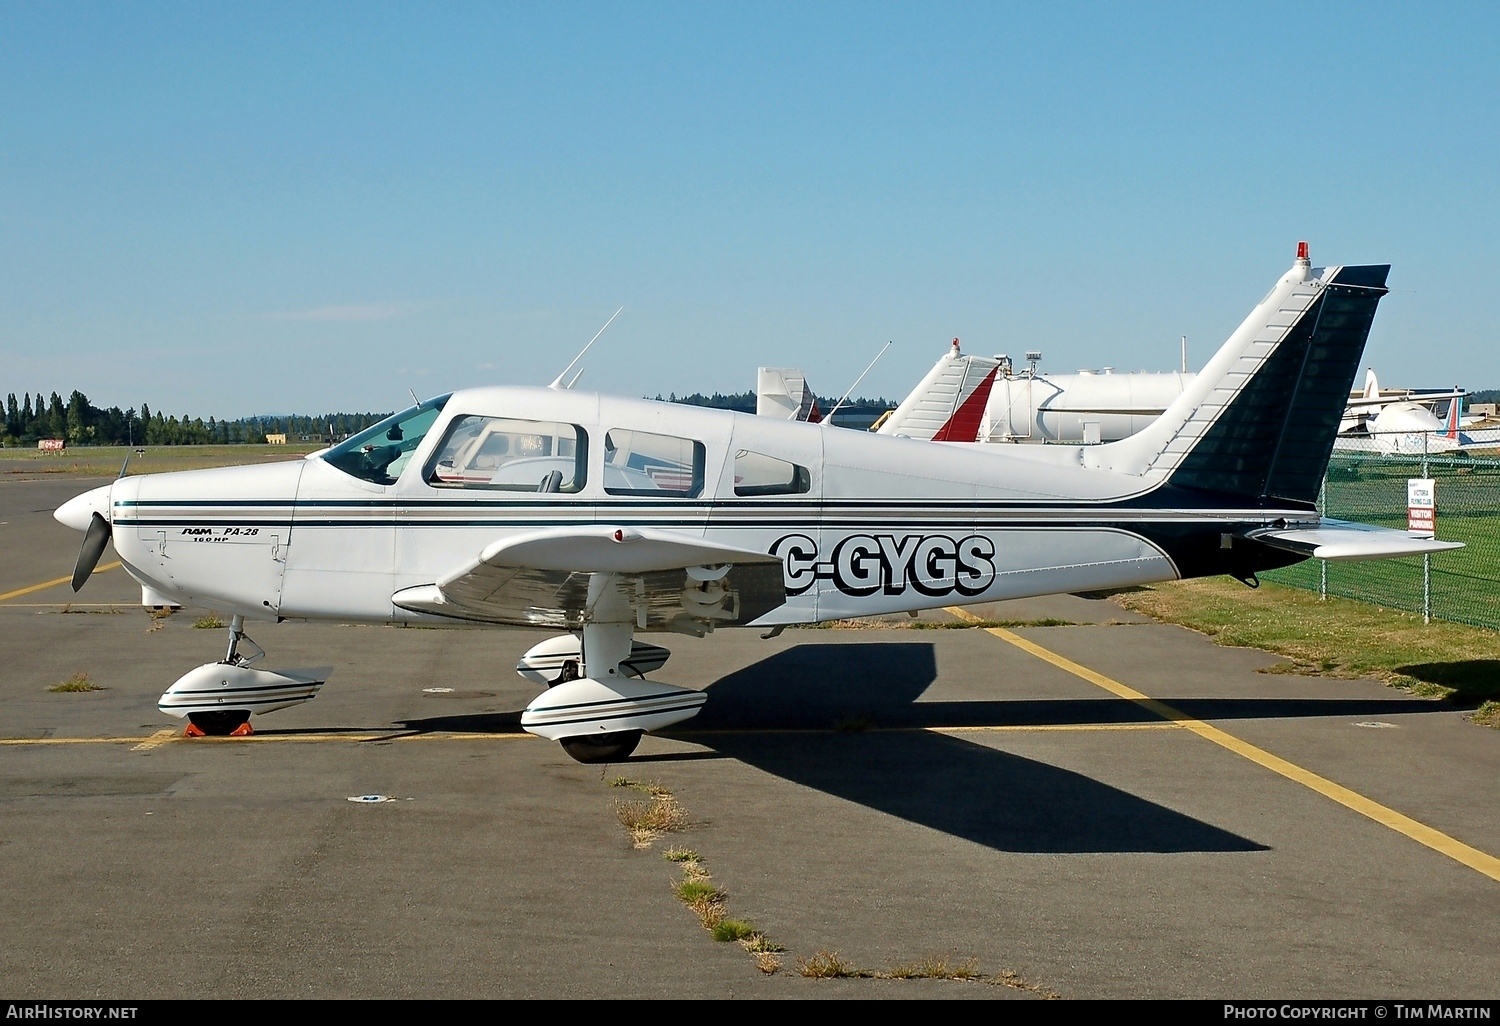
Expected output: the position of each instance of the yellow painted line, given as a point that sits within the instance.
(51, 584)
(161, 737)
(517, 736)
(1440, 842)
(156, 740)
(24, 741)
(174, 734)
(74, 605)
(1052, 727)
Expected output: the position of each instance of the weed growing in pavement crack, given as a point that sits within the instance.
(660, 812)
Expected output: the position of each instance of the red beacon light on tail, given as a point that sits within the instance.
(1302, 251)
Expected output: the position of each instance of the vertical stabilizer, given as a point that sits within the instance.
(782, 393)
(949, 403)
(1260, 421)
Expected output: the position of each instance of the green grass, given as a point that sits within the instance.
(77, 682)
(826, 965)
(759, 942)
(908, 624)
(1464, 584)
(1488, 715)
(936, 967)
(732, 930)
(698, 890)
(209, 622)
(105, 460)
(1335, 638)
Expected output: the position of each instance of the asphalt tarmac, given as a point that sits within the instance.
(1111, 809)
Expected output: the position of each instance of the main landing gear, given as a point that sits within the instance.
(598, 703)
(609, 747)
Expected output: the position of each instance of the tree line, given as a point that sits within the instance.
(79, 422)
(744, 402)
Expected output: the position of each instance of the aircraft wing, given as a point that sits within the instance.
(1343, 540)
(566, 577)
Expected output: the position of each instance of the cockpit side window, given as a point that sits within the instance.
(758, 474)
(378, 454)
(510, 455)
(642, 463)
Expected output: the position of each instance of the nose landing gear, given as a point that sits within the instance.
(218, 698)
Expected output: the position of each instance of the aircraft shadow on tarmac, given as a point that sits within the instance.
(862, 702)
(1472, 679)
(967, 790)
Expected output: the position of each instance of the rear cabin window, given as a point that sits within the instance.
(758, 474)
(510, 455)
(641, 463)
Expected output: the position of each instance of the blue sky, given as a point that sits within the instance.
(238, 208)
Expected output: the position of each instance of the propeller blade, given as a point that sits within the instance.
(94, 540)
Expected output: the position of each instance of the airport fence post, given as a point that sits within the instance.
(1323, 563)
(1427, 557)
(1461, 586)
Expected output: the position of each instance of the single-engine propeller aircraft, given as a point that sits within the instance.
(602, 517)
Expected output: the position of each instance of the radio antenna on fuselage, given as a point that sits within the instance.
(557, 382)
(829, 419)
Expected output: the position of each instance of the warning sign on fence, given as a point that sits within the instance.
(1421, 507)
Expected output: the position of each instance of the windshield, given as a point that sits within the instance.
(378, 454)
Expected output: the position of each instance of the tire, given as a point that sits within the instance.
(611, 747)
(219, 724)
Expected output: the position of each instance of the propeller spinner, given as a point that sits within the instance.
(88, 513)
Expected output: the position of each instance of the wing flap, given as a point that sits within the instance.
(1348, 541)
(667, 581)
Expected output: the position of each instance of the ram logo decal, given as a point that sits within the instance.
(863, 564)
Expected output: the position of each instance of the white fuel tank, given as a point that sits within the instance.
(1087, 407)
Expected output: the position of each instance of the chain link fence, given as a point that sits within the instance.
(1462, 585)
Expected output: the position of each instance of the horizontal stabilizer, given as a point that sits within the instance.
(1343, 540)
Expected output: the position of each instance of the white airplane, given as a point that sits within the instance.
(601, 517)
(1369, 403)
(1405, 427)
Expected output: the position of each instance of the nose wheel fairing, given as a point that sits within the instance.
(219, 698)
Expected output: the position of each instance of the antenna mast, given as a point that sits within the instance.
(557, 382)
(829, 419)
